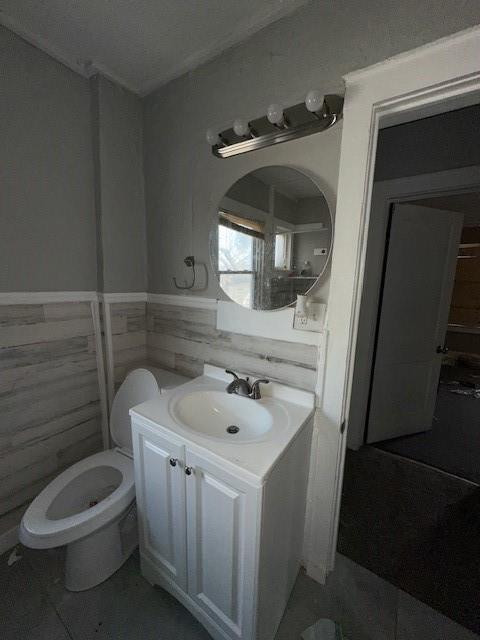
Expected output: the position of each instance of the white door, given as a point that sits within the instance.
(414, 307)
(160, 489)
(222, 539)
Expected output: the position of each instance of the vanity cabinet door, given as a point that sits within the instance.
(160, 489)
(221, 540)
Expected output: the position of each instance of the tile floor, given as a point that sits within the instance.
(35, 606)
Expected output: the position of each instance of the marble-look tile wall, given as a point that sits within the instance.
(50, 412)
(129, 338)
(184, 338)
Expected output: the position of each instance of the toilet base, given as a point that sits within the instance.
(93, 559)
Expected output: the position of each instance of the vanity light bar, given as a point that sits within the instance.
(317, 113)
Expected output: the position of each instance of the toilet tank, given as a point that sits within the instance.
(138, 387)
(167, 379)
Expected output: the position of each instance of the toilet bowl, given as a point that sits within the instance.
(90, 507)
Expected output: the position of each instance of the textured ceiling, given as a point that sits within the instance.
(291, 183)
(141, 44)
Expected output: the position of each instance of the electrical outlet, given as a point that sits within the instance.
(300, 322)
(314, 321)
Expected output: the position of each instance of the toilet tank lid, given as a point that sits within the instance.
(139, 386)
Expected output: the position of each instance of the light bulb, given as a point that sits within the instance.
(314, 101)
(241, 127)
(212, 137)
(275, 113)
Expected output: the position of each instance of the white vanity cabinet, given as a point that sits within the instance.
(221, 545)
(160, 489)
(229, 548)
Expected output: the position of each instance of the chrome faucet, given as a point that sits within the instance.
(242, 387)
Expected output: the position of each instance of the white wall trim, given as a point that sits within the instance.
(107, 328)
(8, 539)
(101, 374)
(182, 301)
(45, 297)
(467, 39)
(123, 297)
(445, 70)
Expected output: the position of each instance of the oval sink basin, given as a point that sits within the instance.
(216, 414)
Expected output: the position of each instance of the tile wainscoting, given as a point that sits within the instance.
(184, 338)
(129, 338)
(52, 374)
(50, 397)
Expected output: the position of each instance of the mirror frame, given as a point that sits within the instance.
(213, 238)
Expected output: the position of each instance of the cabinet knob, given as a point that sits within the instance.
(173, 462)
(188, 471)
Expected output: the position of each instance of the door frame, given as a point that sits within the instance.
(385, 194)
(430, 79)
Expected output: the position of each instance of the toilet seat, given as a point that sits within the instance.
(90, 507)
(42, 532)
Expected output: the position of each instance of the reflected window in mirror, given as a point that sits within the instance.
(271, 238)
(240, 250)
(283, 249)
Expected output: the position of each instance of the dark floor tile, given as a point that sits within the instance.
(126, 607)
(416, 527)
(416, 620)
(364, 604)
(51, 628)
(452, 444)
(306, 605)
(24, 605)
(48, 566)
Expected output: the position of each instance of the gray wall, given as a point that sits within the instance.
(312, 210)
(71, 163)
(251, 191)
(47, 237)
(120, 190)
(311, 48)
(445, 141)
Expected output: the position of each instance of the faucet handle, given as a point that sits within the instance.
(233, 386)
(255, 394)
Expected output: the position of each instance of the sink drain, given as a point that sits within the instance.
(233, 429)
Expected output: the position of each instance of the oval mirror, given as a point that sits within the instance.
(271, 238)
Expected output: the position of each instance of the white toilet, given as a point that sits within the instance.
(90, 507)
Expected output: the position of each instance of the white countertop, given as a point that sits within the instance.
(254, 460)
